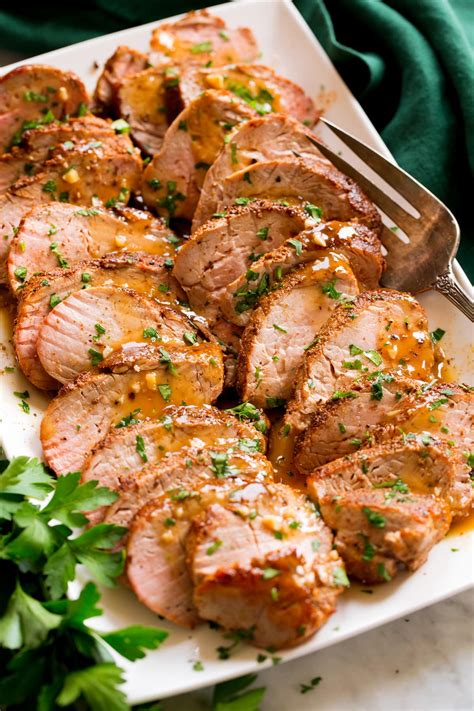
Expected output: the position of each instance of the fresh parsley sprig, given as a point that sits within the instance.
(50, 658)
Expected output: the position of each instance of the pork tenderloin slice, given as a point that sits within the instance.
(358, 243)
(143, 273)
(172, 182)
(92, 323)
(59, 234)
(141, 102)
(36, 93)
(200, 37)
(294, 182)
(274, 137)
(376, 533)
(84, 411)
(192, 426)
(405, 465)
(380, 330)
(80, 173)
(225, 247)
(259, 86)
(263, 564)
(384, 404)
(284, 324)
(123, 63)
(37, 145)
(176, 490)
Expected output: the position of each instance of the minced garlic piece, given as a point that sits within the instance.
(120, 240)
(136, 387)
(63, 93)
(215, 81)
(150, 379)
(167, 536)
(72, 176)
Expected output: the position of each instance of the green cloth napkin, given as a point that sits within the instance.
(409, 62)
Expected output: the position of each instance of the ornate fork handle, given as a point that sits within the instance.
(448, 285)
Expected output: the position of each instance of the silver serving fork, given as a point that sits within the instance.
(425, 260)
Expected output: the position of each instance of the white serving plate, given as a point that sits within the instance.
(289, 46)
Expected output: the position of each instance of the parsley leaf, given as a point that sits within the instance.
(97, 685)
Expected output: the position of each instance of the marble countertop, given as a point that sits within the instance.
(424, 662)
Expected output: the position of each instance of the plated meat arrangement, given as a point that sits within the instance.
(198, 290)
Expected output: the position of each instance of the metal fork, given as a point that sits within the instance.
(425, 260)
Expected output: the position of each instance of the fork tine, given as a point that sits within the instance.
(402, 218)
(401, 181)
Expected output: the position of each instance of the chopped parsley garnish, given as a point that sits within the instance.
(269, 573)
(50, 186)
(95, 356)
(20, 273)
(279, 328)
(437, 335)
(220, 465)
(313, 211)
(165, 359)
(341, 394)
(140, 448)
(375, 519)
(262, 233)
(190, 338)
(120, 126)
(154, 183)
(54, 248)
(330, 289)
(87, 212)
(165, 391)
(54, 300)
(383, 573)
(297, 246)
(202, 47)
(438, 403)
(340, 577)
(214, 547)
(150, 332)
(129, 420)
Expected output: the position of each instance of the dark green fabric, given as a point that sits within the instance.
(409, 62)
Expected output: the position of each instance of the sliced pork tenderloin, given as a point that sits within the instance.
(293, 182)
(79, 173)
(379, 330)
(124, 62)
(358, 243)
(37, 94)
(262, 563)
(267, 138)
(176, 489)
(90, 324)
(172, 181)
(379, 530)
(384, 404)
(284, 325)
(60, 234)
(199, 38)
(38, 144)
(149, 276)
(141, 102)
(186, 426)
(226, 247)
(259, 86)
(413, 465)
(142, 382)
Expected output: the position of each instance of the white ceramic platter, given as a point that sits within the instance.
(289, 46)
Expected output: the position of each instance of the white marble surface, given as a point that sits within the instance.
(424, 662)
(421, 663)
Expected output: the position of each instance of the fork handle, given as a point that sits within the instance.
(448, 285)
